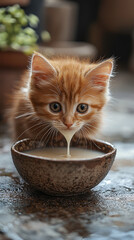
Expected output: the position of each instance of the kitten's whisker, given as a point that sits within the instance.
(90, 126)
(83, 134)
(46, 134)
(41, 140)
(92, 129)
(37, 124)
(36, 128)
(78, 139)
(24, 115)
(46, 137)
(88, 131)
(56, 131)
(53, 134)
(43, 129)
(95, 144)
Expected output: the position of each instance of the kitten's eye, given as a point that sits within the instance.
(82, 108)
(55, 107)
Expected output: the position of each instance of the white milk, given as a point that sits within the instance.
(60, 153)
(68, 134)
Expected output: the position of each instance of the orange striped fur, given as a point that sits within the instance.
(69, 82)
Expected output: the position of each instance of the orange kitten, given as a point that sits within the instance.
(60, 94)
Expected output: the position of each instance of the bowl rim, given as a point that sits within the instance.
(113, 151)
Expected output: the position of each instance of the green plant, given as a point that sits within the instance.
(16, 29)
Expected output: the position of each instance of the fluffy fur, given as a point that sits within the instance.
(69, 82)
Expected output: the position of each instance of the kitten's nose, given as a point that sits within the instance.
(68, 124)
(68, 121)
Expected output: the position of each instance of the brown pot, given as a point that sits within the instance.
(11, 2)
(13, 59)
(12, 65)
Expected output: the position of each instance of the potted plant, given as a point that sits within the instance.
(18, 39)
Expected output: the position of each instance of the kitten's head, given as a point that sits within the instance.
(70, 94)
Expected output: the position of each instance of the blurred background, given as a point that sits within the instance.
(94, 29)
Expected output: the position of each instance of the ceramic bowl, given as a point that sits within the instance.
(62, 177)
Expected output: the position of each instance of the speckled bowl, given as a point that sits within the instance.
(62, 177)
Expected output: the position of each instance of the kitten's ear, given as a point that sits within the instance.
(100, 75)
(41, 69)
